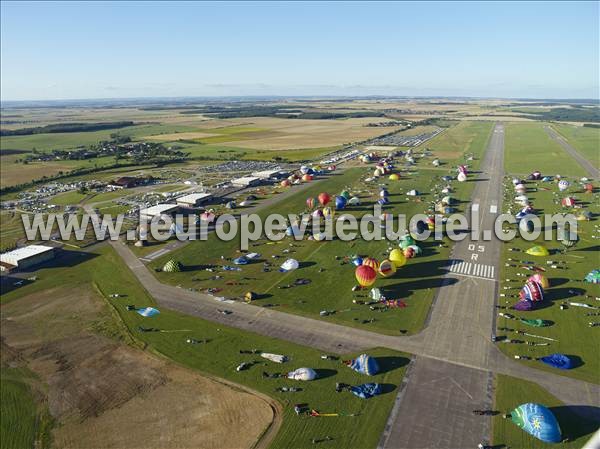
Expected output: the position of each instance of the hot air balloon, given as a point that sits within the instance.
(310, 202)
(365, 275)
(384, 193)
(289, 265)
(302, 374)
(568, 202)
(328, 212)
(540, 279)
(538, 421)
(357, 261)
(462, 169)
(532, 292)
(354, 201)
(557, 360)
(340, 202)
(172, 266)
(593, 277)
(363, 364)
(307, 177)
(563, 185)
(589, 188)
(324, 198)
(345, 194)
(387, 268)
(148, 312)
(371, 262)
(461, 177)
(409, 252)
(398, 258)
(538, 250)
(394, 177)
(285, 183)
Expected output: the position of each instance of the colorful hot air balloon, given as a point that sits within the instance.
(285, 183)
(340, 202)
(387, 268)
(365, 275)
(357, 261)
(563, 185)
(345, 194)
(409, 252)
(371, 262)
(540, 279)
(328, 212)
(538, 250)
(532, 292)
(364, 364)
(398, 258)
(461, 177)
(307, 177)
(324, 198)
(538, 421)
(310, 202)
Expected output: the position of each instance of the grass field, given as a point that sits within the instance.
(529, 148)
(25, 421)
(221, 355)
(570, 326)
(585, 140)
(460, 139)
(326, 263)
(512, 392)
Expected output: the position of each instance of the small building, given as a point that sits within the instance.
(25, 257)
(275, 173)
(246, 181)
(125, 182)
(158, 210)
(193, 199)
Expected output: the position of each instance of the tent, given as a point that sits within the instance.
(289, 265)
(364, 364)
(538, 250)
(148, 312)
(172, 266)
(538, 421)
(366, 391)
(559, 361)
(302, 374)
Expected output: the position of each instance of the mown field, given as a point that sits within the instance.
(529, 148)
(570, 327)
(220, 355)
(584, 139)
(512, 392)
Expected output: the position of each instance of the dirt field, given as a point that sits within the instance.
(105, 394)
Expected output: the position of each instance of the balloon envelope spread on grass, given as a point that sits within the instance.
(532, 291)
(148, 312)
(302, 374)
(289, 265)
(593, 277)
(557, 360)
(364, 364)
(537, 420)
(366, 391)
(538, 250)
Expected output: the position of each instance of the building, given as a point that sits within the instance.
(158, 210)
(125, 182)
(275, 173)
(246, 181)
(193, 199)
(25, 257)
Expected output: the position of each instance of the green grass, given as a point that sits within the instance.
(416, 282)
(72, 197)
(512, 392)
(25, 421)
(529, 148)
(584, 139)
(220, 356)
(570, 327)
(460, 139)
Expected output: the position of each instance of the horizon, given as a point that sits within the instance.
(62, 51)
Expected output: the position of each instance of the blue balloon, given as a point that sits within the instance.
(538, 421)
(366, 391)
(559, 361)
(340, 202)
(364, 364)
(357, 261)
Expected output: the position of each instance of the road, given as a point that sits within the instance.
(592, 171)
(451, 373)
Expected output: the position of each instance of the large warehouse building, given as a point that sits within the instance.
(25, 257)
(193, 199)
(158, 210)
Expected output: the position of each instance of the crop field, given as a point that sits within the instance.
(510, 393)
(569, 330)
(584, 139)
(220, 355)
(529, 148)
(327, 263)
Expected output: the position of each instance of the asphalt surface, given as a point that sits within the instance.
(587, 166)
(450, 375)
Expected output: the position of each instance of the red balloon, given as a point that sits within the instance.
(365, 275)
(324, 198)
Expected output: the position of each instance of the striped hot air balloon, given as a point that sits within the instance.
(365, 275)
(387, 268)
(371, 262)
(532, 291)
(310, 202)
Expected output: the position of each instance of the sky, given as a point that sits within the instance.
(80, 50)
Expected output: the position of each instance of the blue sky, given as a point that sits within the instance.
(109, 50)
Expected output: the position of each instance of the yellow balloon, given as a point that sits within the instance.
(398, 258)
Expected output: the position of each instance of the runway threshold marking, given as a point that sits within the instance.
(475, 270)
